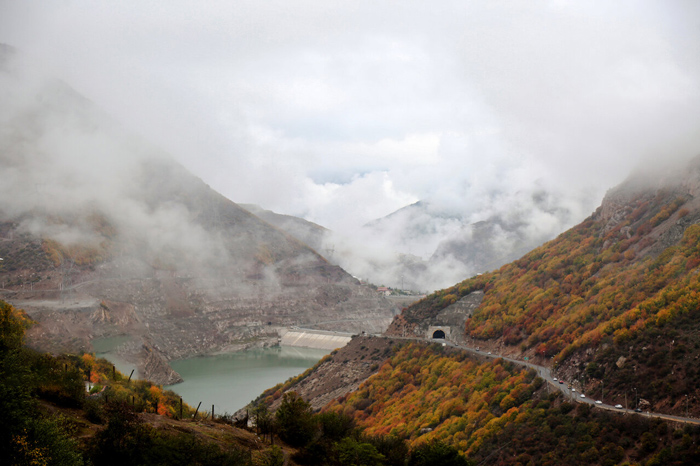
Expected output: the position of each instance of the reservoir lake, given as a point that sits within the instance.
(231, 381)
(228, 381)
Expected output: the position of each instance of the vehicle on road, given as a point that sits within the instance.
(555, 379)
(489, 352)
(598, 402)
(583, 396)
(637, 410)
(561, 382)
(618, 406)
(572, 389)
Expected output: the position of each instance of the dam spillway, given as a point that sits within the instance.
(319, 339)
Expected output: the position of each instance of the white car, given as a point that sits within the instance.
(598, 402)
(555, 379)
(489, 352)
(618, 406)
(573, 389)
(583, 396)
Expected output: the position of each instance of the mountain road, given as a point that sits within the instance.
(546, 374)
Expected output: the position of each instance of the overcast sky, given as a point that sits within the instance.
(343, 112)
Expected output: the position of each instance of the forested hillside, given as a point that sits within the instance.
(497, 413)
(610, 306)
(613, 302)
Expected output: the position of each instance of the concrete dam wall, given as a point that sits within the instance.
(319, 339)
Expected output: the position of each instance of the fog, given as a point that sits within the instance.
(342, 113)
(73, 175)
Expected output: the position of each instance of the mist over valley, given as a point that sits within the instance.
(114, 237)
(394, 235)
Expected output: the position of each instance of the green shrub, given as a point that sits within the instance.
(294, 420)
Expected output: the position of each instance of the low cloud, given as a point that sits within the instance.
(343, 113)
(72, 175)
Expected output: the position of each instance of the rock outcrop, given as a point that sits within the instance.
(154, 366)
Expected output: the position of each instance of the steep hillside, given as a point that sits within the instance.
(309, 233)
(612, 302)
(101, 234)
(489, 410)
(611, 306)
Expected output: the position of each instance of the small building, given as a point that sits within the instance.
(384, 290)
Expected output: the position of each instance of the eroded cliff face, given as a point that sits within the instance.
(154, 367)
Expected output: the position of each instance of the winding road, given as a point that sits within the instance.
(546, 374)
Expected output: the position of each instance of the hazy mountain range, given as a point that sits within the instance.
(611, 307)
(103, 234)
(426, 246)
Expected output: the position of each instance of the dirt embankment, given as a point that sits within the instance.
(345, 370)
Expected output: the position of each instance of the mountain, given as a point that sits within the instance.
(611, 307)
(309, 233)
(429, 245)
(627, 274)
(102, 234)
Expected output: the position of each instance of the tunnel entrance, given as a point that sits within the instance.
(438, 334)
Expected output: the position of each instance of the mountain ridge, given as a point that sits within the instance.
(611, 307)
(105, 235)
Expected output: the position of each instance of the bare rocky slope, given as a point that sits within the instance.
(102, 235)
(309, 233)
(337, 375)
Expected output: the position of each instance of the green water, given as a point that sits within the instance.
(105, 348)
(228, 381)
(231, 381)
